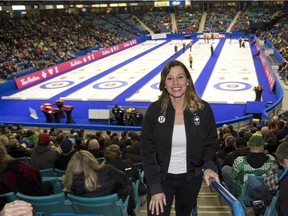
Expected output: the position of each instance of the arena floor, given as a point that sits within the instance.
(130, 78)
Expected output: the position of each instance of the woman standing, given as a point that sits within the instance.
(179, 139)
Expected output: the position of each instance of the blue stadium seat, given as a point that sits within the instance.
(6, 198)
(142, 177)
(56, 203)
(58, 172)
(57, 183)
(25, 159)
(136, 195)
(100, 159)
(107, 205)
(139, 165)
(47, 172)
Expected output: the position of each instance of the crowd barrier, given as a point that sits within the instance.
(276, 53)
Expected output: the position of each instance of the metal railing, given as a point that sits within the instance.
(236, 207)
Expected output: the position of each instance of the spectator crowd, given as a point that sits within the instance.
(256, 146)
(31, 43)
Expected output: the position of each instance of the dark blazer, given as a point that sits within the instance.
(125, 166)
(111, 180)
(133, 152)
(156, 143)
(63, 160)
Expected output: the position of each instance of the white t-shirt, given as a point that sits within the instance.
(178, 163)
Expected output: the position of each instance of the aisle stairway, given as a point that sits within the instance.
(173, 23)
(209, 204)
(202, 22)
(143, 25)
(233, 22)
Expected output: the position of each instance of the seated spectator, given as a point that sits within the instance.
(282, 133)
(255, 163)
(66, 154)
(114, 140)
(241, 149)
(247, 135)
(282, 66)
(222, 134)
(221, 154)
(19, 176)
(102, 143)
(94, 148)
(17, 208)
(126, 139)
(30, 139)
(42, 155)
(113, 157)
(16, 150)
(261, 193)
(3, 139)
(282, 157)
(132, 152)
(86, 177)
(284, 74)
(232, 131)
(271, 142)
(60, 136)
(80, 144)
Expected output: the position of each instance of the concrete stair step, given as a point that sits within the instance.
(208, 203)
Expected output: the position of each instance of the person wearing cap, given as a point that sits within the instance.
(255, 163)
(275, 184)
(66, 154)
(241, 149)
(42, 155)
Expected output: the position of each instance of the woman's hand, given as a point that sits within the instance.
(157, 203)
(209, 173)
(17, 208)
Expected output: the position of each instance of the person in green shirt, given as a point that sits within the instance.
(256, 163)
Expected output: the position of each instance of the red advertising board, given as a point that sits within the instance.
(49, 72)
(268, 71)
